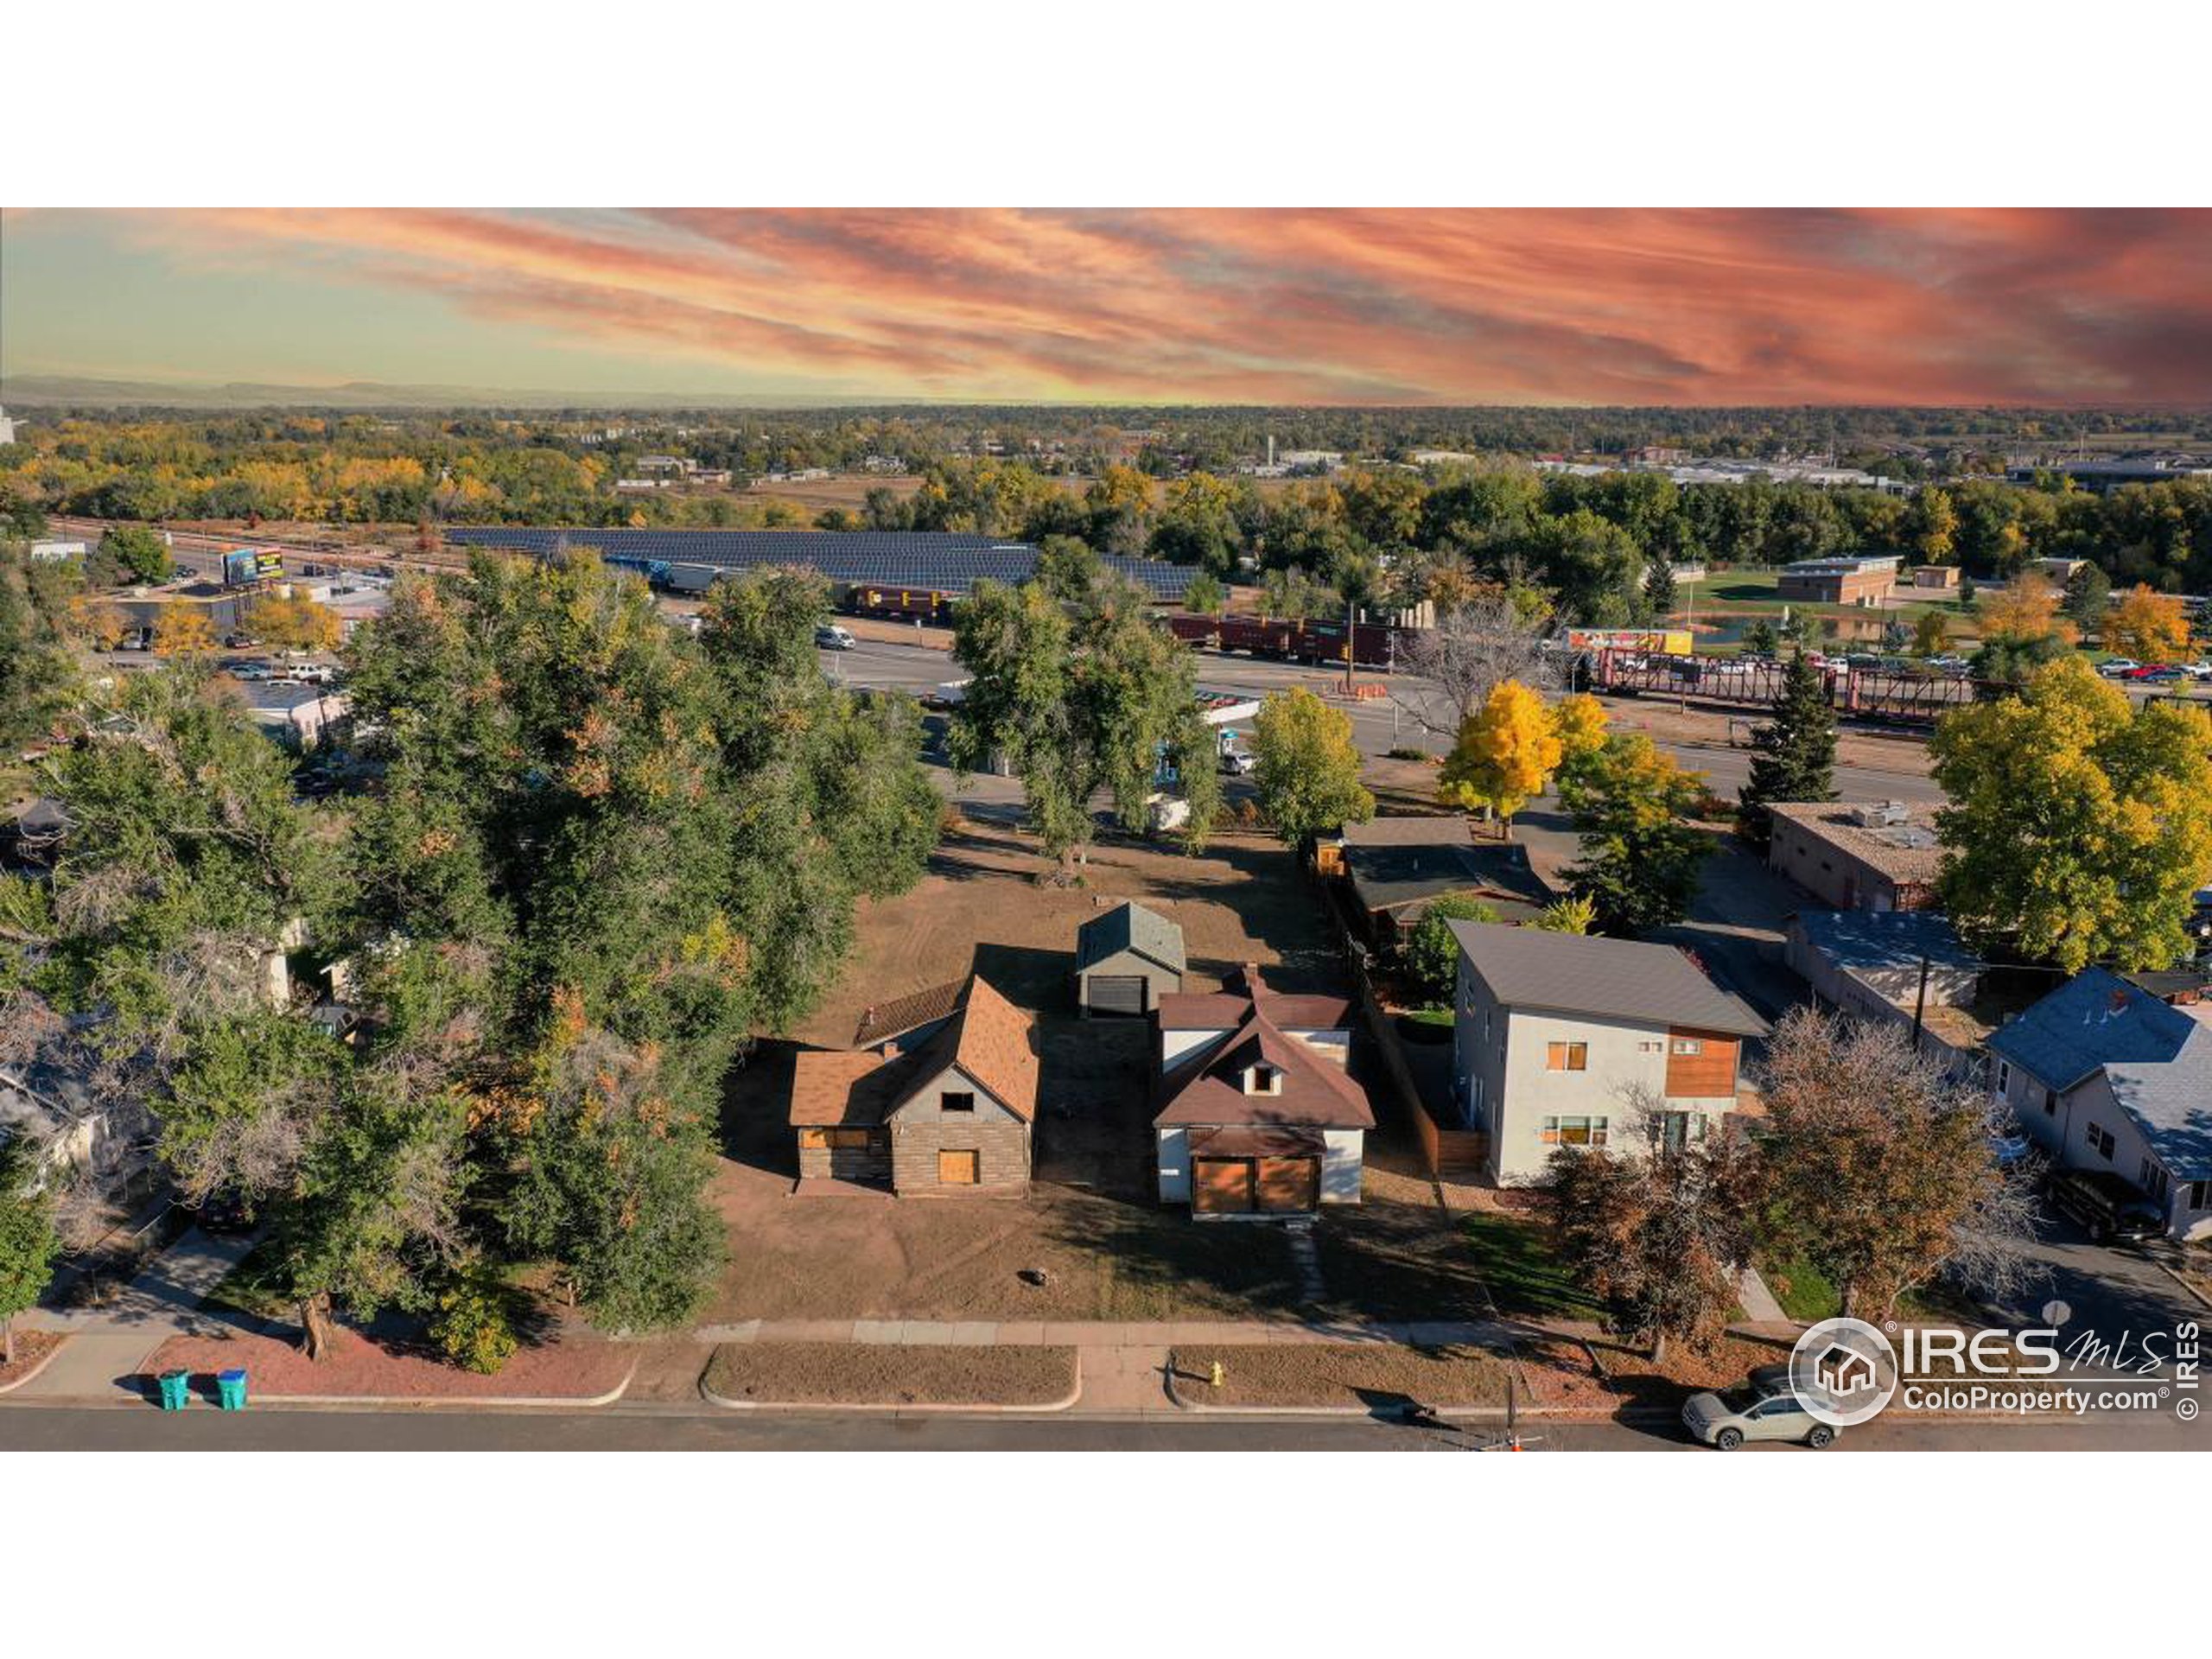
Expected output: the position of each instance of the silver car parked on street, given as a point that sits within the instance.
(1763, 1406)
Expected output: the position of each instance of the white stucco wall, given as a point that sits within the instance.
(1344, 1151)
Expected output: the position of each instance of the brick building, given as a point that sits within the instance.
(1866, 856)
(1852, 580)
(943, 1108)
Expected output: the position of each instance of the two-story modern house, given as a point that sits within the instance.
(1557, 1039)
(2103, 1075)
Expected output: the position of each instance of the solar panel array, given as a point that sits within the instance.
(946, 561)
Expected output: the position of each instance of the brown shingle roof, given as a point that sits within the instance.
(1208, 1090)
(884, 1021)
(988, 1039)
(1220, 1010)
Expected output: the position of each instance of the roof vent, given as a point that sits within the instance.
(1880, 814)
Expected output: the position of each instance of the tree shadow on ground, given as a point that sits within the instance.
(755, 1124)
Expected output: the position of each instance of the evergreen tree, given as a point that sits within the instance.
(1659, 588)
(1794, 758)
(2089, 599)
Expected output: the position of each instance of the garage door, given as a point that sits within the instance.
(1221, 1186)
(958, 1168)
(1289, 1183)
(1117, 993)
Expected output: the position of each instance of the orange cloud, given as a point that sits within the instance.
(1644, 306)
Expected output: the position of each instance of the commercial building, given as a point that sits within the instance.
(1907, 968)
(1872, 856)
(1856, 580)
(2102, 477)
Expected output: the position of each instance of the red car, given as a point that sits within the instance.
(2145, 671)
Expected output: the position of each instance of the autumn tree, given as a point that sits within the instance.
(1659, 1232)
(1306, 769)
(290, 622)
(1568, 915)
(2079, 824)
(1794, 753)
(185, 631)
(1504, 754)
(1933, 523)
(1879, 1170)
(2026, 607)
(2149, 627)
(1640, 857)
(1931, 635)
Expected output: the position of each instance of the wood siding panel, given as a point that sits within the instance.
(1222, 1185)
(1289, 1183)
(1708, 1075)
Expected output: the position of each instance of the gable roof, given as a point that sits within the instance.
(1129, 926)
(882, 1021)
(1611, 979)
(1394, 874)
(1221, 1010)
(1208, 1089)
(987, 1039)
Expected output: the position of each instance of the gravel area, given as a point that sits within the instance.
(359, 1368)
(841, 1373)
(1360, 1373)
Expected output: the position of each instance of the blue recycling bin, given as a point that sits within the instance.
(230, 1390)
(176, 1390)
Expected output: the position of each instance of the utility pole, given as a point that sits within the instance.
(1920, 1003)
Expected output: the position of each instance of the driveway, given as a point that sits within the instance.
(2108, 1289)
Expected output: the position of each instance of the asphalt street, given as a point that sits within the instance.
(642, 1428)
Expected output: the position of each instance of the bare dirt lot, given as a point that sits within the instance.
(1090, 1228)
(842, 1373)
(1373, 1375)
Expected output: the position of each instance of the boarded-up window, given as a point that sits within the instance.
(1567, 1057)
(835, 1140)
(959, 1168)
(1222, 1185)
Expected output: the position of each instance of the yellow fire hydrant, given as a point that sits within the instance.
(1216, 1373)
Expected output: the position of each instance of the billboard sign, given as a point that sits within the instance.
(238, 566)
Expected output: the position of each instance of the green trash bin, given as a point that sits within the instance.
(230, 1390)
(176, 1390)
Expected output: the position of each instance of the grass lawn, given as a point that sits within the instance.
(1357, 1374)
(1513, 1257)
(848, 1373)
(1427, 1025)
(254, 1288)
(1807, 1296)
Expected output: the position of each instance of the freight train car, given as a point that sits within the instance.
(1375, 645)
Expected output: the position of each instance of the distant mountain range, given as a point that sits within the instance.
(51, 390)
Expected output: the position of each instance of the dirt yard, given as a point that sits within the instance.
(1373, 1375)
(844, 1373)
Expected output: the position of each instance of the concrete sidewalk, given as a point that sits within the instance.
(110, 1344)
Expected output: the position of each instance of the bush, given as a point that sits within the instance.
(473, 1328)
(1408, 751)
(1433, 955)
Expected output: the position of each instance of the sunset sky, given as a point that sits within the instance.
(1643, 306)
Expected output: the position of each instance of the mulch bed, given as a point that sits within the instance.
(31, 1349)
(1369, 1375)
(885, 1374)
(1562, 1374)
(360, 1368)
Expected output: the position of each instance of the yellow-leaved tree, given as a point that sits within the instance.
(2148, 626)
(2026, 608)
(183, 631)
(292, 623)
(1506, 751)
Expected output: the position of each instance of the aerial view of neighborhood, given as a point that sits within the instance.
(1253, 844)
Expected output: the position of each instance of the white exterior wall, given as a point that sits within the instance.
(1344, 1149)
(1176, 1046)
(1504, 1085)
(2092, 1102)
(1174, 1166)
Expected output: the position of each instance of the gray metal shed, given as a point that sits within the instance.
(1126, 960)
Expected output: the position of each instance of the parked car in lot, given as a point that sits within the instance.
(2164, 674)
(1762, 1407)
(2118, 667)
(830, 637)
(2198, 670)
(2108, 1206)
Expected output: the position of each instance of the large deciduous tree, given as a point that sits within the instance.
(1879, 1170)
(1102, 701)
(1640, 858)
(1504, 754)
(2148, 626)
(1307, 766)
(2079, 824)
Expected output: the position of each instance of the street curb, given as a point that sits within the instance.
(450, 1402)
(32, 1375)
(2183, 1283)
(1065, 1403)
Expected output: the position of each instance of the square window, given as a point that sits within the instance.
(1567, 1057)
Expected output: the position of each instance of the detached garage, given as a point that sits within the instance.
(1126, 960)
